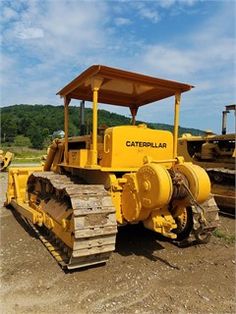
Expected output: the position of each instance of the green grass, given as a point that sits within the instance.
(25, 160)
(25, 154)
(228, 238)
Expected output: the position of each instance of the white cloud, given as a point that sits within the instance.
(30, 33)
(204, 58)
(155, 11)
(169, 3)
(178, 62)
(207, 54)
(8, 14)
(62, 25)
(188, 2)
(169, 61)
(147, 12)
(50, 42)
(119, 21)
(6, 68)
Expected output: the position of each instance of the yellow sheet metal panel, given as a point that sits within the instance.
(126, 146)
(28, 212)
(78, 157)
(17, 181)
(131, 205)
(198, 180)
(147, 190)
(155, 186)
(50, 155)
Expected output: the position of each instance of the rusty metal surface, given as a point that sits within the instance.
(93, 219)
(223, 187)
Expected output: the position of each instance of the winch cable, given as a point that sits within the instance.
(195, 202)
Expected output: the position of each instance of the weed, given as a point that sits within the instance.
(228, 238)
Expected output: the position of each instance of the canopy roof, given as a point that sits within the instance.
(121, 88)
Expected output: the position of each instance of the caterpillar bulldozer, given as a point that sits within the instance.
(216, 154)
(5, 160)
(93, 183)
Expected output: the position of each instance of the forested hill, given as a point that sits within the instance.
(33, 125)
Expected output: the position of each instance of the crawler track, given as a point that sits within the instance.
(202, 221)
(204, 225)
(220, 174)
(81, 230)
(223, 188)
(227, 213)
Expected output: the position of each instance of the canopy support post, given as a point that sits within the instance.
(176, 124)
(66, 127)
(96, 84)
(133, 111)
(95, 126)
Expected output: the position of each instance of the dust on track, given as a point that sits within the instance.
(146, 274)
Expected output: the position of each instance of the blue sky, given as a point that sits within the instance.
(46, 43)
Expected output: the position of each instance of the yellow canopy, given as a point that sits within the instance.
(121, 88)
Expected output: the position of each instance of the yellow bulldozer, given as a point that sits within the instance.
(5, 160)
(93, 183)
(216, 154)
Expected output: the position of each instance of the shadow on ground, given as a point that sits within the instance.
(130, 240)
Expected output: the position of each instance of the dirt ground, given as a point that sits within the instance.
(144, 274)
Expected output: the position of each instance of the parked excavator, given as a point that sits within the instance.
(5, 160)
(115, 176)
(216, 154)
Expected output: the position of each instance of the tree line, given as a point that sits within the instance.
(34, 125)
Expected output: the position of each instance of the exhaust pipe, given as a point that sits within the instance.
(224, 121)
(82, 123)
(224, 117)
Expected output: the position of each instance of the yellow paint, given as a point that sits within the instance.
(155, 186)
(5, 160)
(79, 158)
(145, 191)
(115, 186)
(66, 125)
(137, 165)
(95, 126)
(28, 212)
(17, 182)
(198, 180)
(140, 195)
(234, 153)
(50, 155)
(176, 124)
(161, 221)
(127, 146)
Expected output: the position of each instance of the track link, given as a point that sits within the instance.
(206, 221)
(84, 224)
(222, 175)
(223, 188)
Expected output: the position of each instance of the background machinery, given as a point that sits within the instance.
(216, 154)
(5, 160)
(90, 184)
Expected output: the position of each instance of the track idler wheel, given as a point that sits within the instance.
(184, 224)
